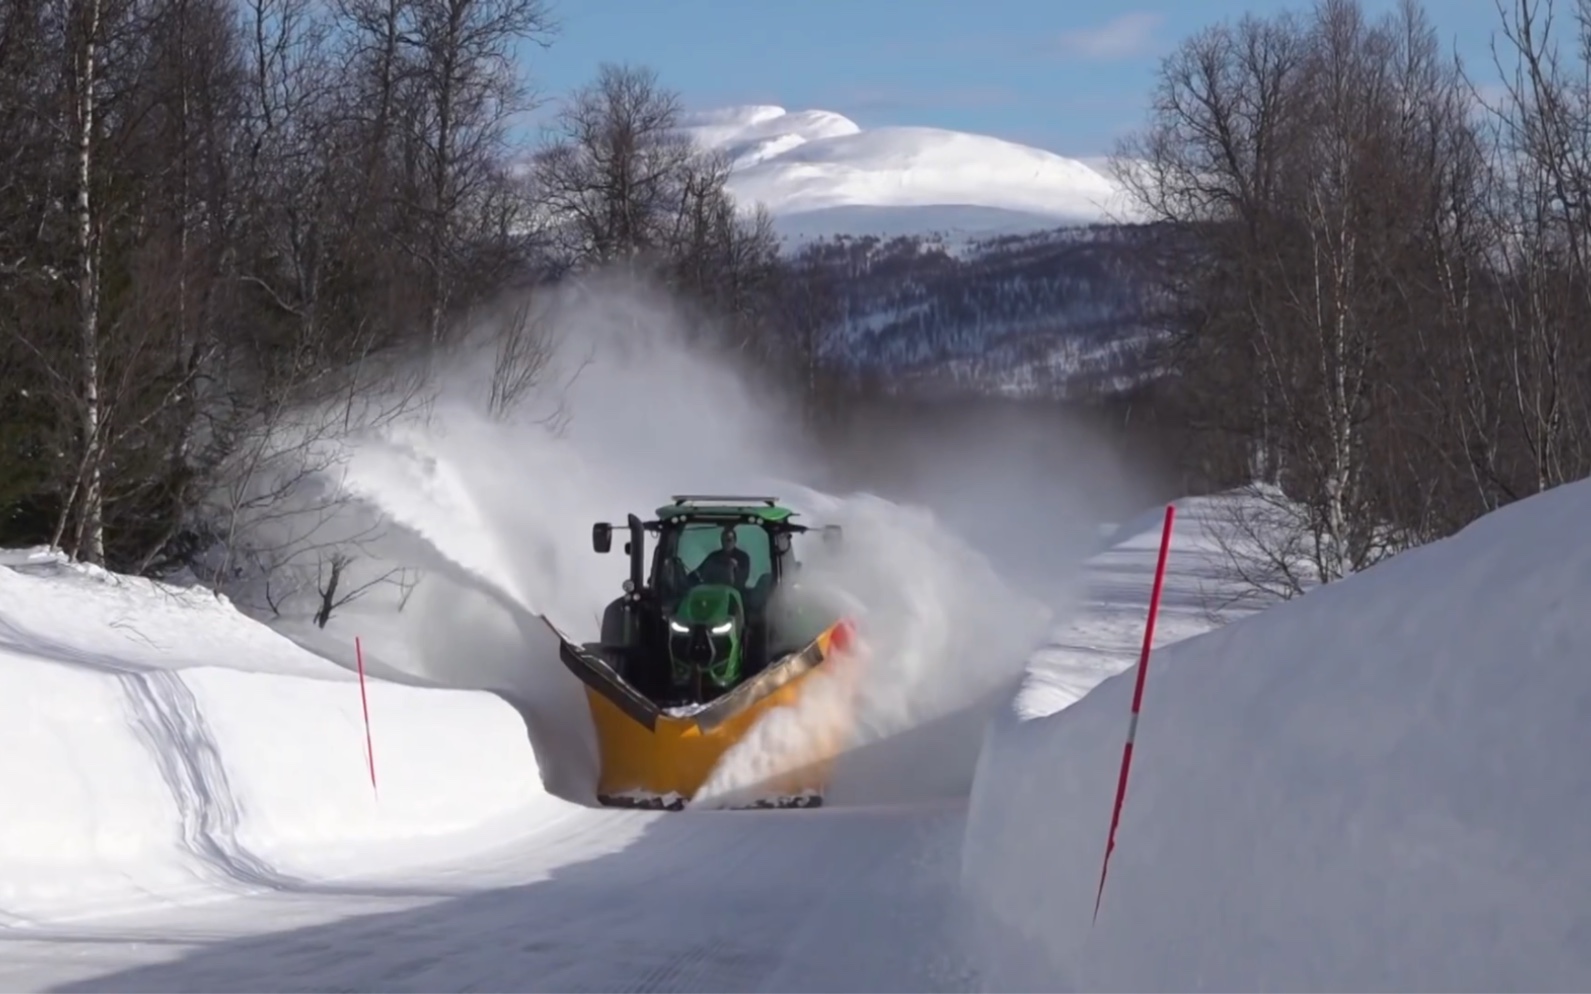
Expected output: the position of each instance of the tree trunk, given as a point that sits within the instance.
(91, 515)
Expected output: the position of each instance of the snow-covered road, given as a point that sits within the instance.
(1339, 786)
(826, 900)
(535, 893)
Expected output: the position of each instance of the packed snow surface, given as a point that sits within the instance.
(805, 162)
(1381, 785)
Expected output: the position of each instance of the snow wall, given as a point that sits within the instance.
(1382, 785)
(157, 746)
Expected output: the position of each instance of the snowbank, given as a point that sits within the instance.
(157, 745)
(1380, 785)
(1106, 635)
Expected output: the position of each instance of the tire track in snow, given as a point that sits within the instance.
(166, 716)
(715, 963)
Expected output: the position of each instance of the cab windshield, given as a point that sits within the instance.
(681, 551)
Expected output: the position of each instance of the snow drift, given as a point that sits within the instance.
(816, 164)
(1381, 785)
(156, 746)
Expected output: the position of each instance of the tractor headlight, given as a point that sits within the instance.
(677, 627)
(724, 628)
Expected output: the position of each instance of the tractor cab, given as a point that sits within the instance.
(716, 605)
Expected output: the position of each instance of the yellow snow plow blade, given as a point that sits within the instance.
(656, 759)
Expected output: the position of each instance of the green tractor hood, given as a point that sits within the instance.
(706, 636)
(709, 604)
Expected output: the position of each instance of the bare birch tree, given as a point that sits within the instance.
(469, 87)
(1325, 175)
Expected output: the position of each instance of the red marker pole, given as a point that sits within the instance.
(364, 702)
(1137, 700)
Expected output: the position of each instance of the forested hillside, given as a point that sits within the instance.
(1056, 313)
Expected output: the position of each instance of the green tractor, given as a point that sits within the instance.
(714, 635)
(719, 604)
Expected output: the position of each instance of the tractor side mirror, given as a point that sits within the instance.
(832, 536)
(602, 536)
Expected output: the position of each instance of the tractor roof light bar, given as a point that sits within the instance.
(723, 499)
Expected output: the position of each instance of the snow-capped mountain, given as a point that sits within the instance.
(820, 173)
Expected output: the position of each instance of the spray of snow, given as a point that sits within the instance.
(939, 625)
(497, 512)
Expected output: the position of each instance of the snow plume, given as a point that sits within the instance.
(495, 512)
(941, 629)
(498, 510)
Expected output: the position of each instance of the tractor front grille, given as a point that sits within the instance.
(699, 647)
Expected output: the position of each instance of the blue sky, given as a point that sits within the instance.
(1064, 75)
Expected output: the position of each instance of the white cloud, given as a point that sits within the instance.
(1121, 37)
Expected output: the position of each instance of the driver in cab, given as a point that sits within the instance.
(726, 564)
